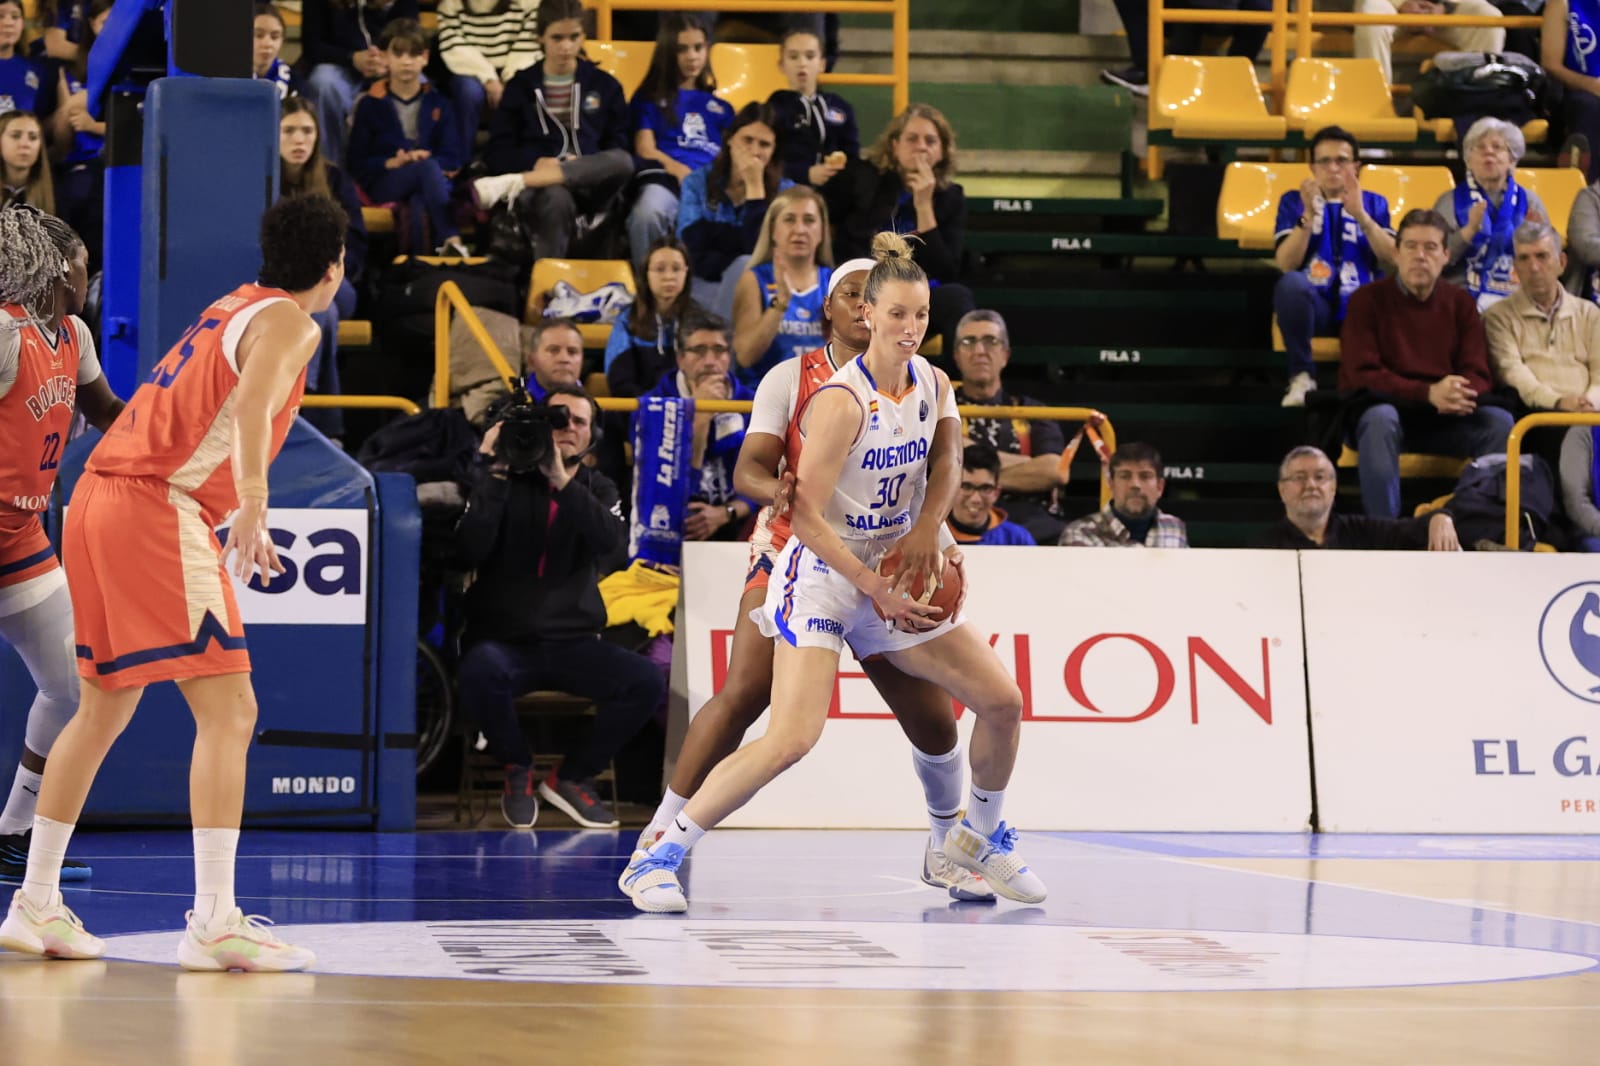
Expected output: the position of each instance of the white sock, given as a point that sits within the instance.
(671, 804)
(942, 777)
(681, 831)
(18, 815)
(214, 850)
(41, 883)
(983, 813)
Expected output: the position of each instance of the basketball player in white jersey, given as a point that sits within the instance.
(765, 473)
(862, 477)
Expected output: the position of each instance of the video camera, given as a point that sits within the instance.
(526, 431)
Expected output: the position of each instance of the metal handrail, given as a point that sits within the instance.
(394, 403)
(1108, 434)
(450, 298)
(1514, 461)
(898, 10)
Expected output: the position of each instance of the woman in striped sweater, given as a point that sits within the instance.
(484, 43)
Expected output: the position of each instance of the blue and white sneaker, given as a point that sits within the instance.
(651, 880)
(995, 860)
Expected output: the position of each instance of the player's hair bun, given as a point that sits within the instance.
(889, 245)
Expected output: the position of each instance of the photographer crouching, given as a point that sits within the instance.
(540, 530)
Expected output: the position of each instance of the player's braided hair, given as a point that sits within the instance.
(30, 261)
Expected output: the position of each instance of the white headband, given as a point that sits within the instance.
(842, 269)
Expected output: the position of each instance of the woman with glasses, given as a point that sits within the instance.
(1485, 210)
(1333, 237)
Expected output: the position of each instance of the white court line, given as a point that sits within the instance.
(916, 886)
(1208, 861)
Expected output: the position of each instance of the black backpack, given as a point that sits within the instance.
(1467, 86)
(1479, 503)
(404, 315)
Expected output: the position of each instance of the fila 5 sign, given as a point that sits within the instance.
(1161, 690)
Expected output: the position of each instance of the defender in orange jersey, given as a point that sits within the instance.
(150, 586)
(47, 367)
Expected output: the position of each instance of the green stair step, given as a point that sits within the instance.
(1154, 301)
(1133, 356)
(1068, 207)
(1232, 416)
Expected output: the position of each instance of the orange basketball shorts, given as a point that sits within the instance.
(149, 594)
(25, 551)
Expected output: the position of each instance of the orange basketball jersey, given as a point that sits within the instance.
(178, 427)
(803, 376)
(36, 413)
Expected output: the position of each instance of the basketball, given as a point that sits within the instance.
(944, 596)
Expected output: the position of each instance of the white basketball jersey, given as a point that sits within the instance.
(880, 489)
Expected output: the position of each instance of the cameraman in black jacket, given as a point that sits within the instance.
(540, 539)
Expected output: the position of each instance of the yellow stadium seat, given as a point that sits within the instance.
(585, 275)
(1247, 210)
(378, 219)
(1558, 187)
(596, 385)
(1407, 187)
(1323, 349)
(932, 346)
(1414, 464)
(627, 61)
(1209, 97)
(747, 73)
(355, 333)
(1352, 93)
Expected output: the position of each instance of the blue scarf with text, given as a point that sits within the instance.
(663, 434)
(1340, 265)
(1490, 256)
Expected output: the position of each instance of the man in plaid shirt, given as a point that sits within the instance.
(1132, 519)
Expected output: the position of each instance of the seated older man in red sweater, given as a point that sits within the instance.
(1413, 352)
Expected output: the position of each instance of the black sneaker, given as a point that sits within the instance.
(520, 803)
(576, 799)
(1133, 79)
(14, 860)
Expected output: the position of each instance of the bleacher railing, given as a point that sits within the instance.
(898, 10)
(393, 403)
(450, 301)
(1305, 21)
(1514, 460)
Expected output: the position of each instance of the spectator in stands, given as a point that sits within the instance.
(1182, 38)
(303, 172)
(555, 360)
(1543, 341)
(1578, 484)
(678, 122)
(26, 177)
(818, 128)
(1133, 518)
(1030, 449)
(80, 178)
(974, 518)
(1333, 237)
(905, 185)
(644, 342)
(25, 84)
(1307, 484)
(558, 142)
(539, 541)
(716, 511)
(1414, 359)
(63, 25)
(1376, 42)
(1583, 242)
(484, 44)
(1567, 36)
(268, 66)
(403, 143)
(777, 306)
(1486, 209)
(340, 50)
(725, 203)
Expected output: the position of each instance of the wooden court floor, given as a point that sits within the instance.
(824, 948)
